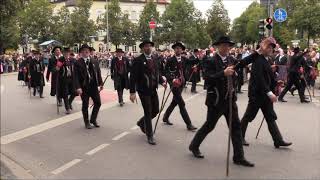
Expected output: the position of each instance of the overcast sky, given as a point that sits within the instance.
(234, 7)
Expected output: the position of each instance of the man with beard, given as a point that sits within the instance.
(219, 71)
(144, 79)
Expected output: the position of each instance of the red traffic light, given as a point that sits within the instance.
(269, 20)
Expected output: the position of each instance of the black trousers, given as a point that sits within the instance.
(150, 104)
(194, 85)
(266, 106)
(40, 88)
(120, 95)
(213, 115)
(92, 92)
(178, 100)
(293, 79)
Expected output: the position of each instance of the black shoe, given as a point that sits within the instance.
(243, 162)
(292, 92)
(282, 100)
(304, 101)
(95, 124)
(167, 122)
(195, 92)
(240, 92)
(151, 141)
(41, 96)
(141, 127)
(191, 128)
(121, 104)
(283, 143)
(88, 126)
(244, 142)
(196, 153)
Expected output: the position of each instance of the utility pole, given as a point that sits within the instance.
(107, 11)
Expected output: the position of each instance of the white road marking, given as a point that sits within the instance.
(134, 127)
(66, 166)
(116, 138)
(95, 150)
(47, 125)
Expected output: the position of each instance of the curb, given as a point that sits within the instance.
(15, 169)
(8, 74)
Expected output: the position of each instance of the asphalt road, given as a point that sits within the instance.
(48, 145)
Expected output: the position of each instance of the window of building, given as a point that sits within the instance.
(134, 15)
(126, 48)
(134, 48)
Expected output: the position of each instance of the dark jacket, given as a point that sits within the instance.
(193, 61)
(174, 69)
(262, 78)
(52, 70)
(140, 76)
(281, 61)
(116, 76)
(36, 72)
(81, 78)
(216, 80)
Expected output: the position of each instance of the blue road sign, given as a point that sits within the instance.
(280, 15)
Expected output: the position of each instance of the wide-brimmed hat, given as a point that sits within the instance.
(223, 39)
(178, 44)
(84, 46)
(56, 47)
(146, 42)
(119, 50)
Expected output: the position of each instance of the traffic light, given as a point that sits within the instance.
(269, 23)
(261, 28)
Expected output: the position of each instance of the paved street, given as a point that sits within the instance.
(48, 145)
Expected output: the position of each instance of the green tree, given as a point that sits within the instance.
(218, 20)
(62, 25)
(115, 27)
(245, 28)
(149, 12)
(129, 31)
(9, 30)
(80, 27)
(36, 20)
(306, 19)
(180, 23)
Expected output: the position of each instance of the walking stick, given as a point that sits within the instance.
(161, 109)
(104, 81)
(304, 79)
(187, 83)
(259, 128)
(230, 95)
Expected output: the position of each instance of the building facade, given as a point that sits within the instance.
(133, 8)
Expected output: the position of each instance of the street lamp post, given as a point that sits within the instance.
(107, 11)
